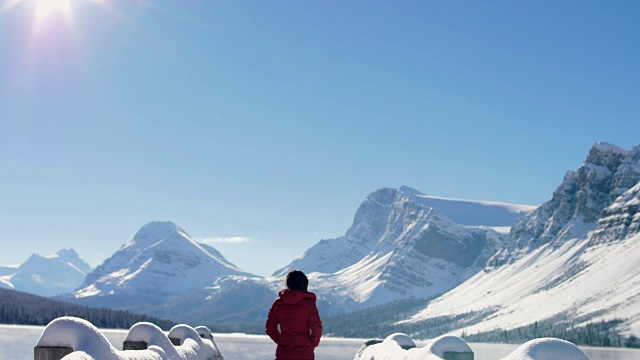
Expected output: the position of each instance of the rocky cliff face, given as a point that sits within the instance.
(577, 203)
(619, 221)
(369, 226)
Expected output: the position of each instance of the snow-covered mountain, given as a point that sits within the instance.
(576, 204)
(400, 246)
(50, 275)
(162, 260)
(574, 259)
(372, 220)
(396, 248)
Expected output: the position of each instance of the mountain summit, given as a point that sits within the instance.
(399, 246)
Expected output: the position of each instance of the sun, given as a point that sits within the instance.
(45, 8)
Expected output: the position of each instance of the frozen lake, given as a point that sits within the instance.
(17, 342)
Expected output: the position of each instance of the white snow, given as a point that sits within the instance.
(89, 343)
(602, 282)
(5, 282)
(547, 349)
(400, 347)
(502, 230)
(510, 207)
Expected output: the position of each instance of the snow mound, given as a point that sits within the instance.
(400, 347)
(78, 334)
(547, 349)
(89, 343)
(401, 339)
(447, 343)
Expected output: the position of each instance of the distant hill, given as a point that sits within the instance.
(28, 309)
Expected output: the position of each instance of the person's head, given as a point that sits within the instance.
(297, 280)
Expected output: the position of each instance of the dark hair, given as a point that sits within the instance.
(297, 280)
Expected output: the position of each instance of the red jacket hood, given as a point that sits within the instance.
(295, 296)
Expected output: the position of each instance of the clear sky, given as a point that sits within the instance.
(260, 126)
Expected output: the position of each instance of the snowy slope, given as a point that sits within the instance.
(398, 248)
(575, 258)
(50, 275)
(473, 212)
(160, 261)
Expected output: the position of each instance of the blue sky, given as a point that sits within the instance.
(270, 121)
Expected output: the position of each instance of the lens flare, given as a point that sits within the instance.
(45, 8)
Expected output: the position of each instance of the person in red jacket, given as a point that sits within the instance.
(296, 313)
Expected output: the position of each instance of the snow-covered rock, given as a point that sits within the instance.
(547, 349)
(88, 343)
(50, 275)
(400, 347)
(620, 220)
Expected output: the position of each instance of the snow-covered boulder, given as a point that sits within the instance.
(400, 347)
(547, 349)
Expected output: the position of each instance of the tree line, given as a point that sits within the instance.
(28, 309)
(603, 333)
(383, 320)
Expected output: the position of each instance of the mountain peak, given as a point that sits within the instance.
(607, 155)
(161, 259)
(409, 190)
(155, 231)
(158, 227)
(70, 254)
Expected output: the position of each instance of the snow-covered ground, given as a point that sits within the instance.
(592, 276)
(17, 342)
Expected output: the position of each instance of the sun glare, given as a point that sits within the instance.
(45, 8)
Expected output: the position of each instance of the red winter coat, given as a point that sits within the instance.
(300, 326)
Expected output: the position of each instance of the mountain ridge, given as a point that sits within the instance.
(561, 260)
